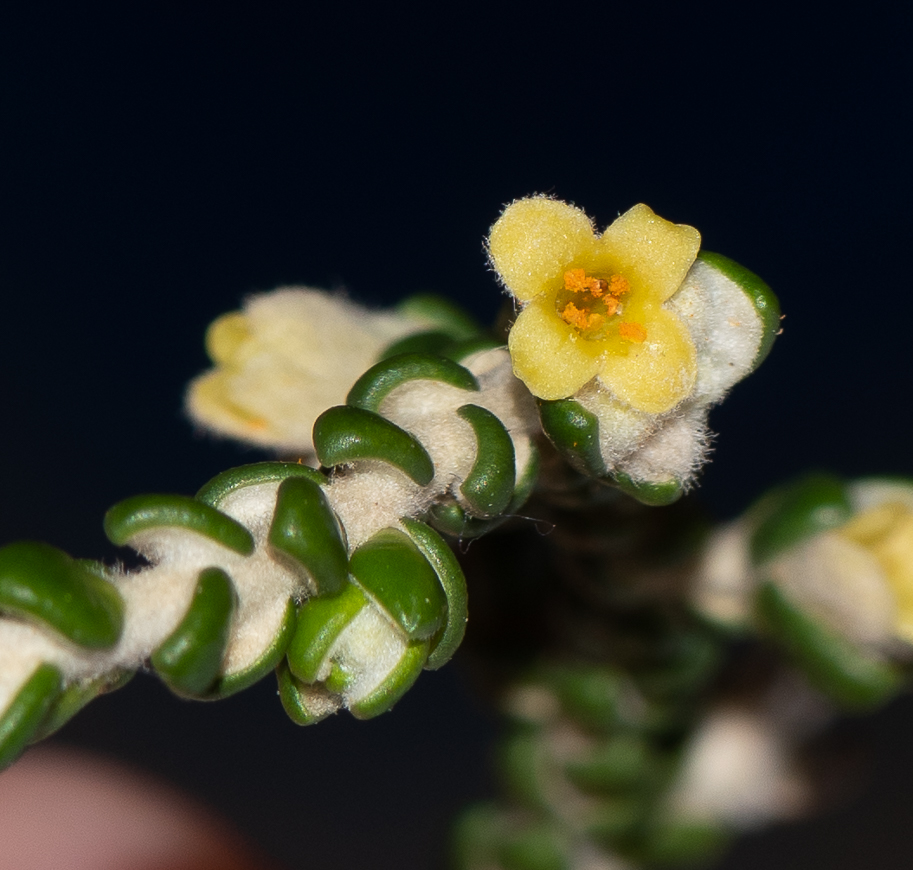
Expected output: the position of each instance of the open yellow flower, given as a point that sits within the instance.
(593, 304)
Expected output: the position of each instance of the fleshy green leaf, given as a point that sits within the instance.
(370, 390)
(434, 341)
(682, 842)
(190, 658)
(461, 350)
(448, 517)
(796, 512)
(305, 529)
(343, 435)
(648, 492)
(75, 696)
(395, 685)
(395, 573)
(40, 582)
(538, 846)
(450, 576)
(144, 512)
(442, 312)
(304, 704)
(24, 715)
(489, 486)
(521, 763)
(243, 678)
(835, 665)
(620, 762)
(575, 433)
(614, 819)
(320, 622)
(592, 695)
(222, 485)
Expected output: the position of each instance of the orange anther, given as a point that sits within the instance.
(576, 280)
(618, 285)
(632, 332)
(574, 316)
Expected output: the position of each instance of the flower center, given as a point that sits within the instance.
(591, 304)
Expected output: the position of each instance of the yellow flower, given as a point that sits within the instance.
(593, 304)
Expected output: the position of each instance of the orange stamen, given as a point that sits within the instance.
(574, 316)
(581, 319)
(618, 285)
(578, 281)
(632, 332)
(600, 293)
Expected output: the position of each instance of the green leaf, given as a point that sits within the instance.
(222, 485)
(442, 312)
(526, 481)
(521, 762)
(649, 493)
(28, 709)
(795, 512)
(460, 351)
(682, 842)
(592, 695)
(190, 658)
(760, 295)
(343, 435)
(304, 704)
(448, 517)
(243, 678)
(395, 685)
(618, 763)
(75, 696)
(831, 662)
(395, 573)
(434, 341)
(489, 486)
(144, 512)
(477, 832)
(539, 846)
(320, 622)
(611, 821)
(305, 529)
(575, 433)
(40, 582)
(370, 390)
(450, 576)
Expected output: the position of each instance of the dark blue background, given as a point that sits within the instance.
(161, 161)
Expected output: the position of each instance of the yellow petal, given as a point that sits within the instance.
(652, 253)
(548, 355)
(210, 399)
(535, 240)
(225, 335)
(656, 375)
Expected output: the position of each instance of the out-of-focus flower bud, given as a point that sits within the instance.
(826, 568)
(291, 354)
